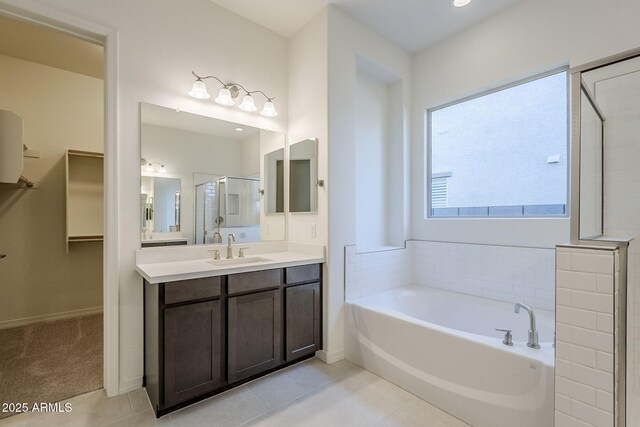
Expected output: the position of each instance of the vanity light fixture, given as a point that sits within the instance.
(229, 92)
(150, 168)
(461, 3)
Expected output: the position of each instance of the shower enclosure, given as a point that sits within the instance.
(227, 205)
(609, 204)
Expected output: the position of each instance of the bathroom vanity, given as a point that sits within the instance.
(211, 330)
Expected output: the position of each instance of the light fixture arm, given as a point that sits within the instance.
(230, 85)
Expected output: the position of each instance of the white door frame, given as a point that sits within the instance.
(108, 37)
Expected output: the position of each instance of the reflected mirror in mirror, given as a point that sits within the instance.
(220, 170)
(274, 181)
(303, 176)
(160, 204)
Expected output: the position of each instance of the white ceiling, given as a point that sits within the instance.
(411, 24)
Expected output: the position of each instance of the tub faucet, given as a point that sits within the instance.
(230, 238)
(533, 333)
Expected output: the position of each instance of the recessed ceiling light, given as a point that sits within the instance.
(461, 3)
(239, 129)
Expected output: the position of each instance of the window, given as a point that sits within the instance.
(502, 153)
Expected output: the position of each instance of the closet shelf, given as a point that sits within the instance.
(85, 193)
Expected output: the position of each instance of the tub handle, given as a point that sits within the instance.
(508, 338)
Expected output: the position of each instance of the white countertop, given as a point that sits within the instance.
(161, 268)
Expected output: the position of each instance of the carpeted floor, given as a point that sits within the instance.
(49, 362)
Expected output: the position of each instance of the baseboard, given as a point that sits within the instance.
(130, 385)
(330, 358)
(5, 324)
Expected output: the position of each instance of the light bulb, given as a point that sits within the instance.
(269, 110)
(163, 169)
(248, 104)
(199, 90)
(224, 97)
(461, 3)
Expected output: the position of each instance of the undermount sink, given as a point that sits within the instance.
(238, 261)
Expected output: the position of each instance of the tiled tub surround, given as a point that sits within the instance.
(586, 279)
(373, 272)
(442, 346)
(503, 273)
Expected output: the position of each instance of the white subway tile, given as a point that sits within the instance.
(563, 368)
(576, 317)
(592, 377)
(564, 420)
(604, 401)
(576, 354)
(563, 404)
(604, 361)
(592, 339)
(576, 390)
(563, 297)
(604, 283)
(592, 301)
(591, 414)
(592, 263)
(576, 280)
(605, 322)
(563, 260)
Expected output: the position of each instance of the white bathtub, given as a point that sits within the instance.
(442, 347)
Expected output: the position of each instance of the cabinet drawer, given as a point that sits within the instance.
(302, 273)
(255, 280)
(186, 290)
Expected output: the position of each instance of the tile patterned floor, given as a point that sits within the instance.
(308, 394)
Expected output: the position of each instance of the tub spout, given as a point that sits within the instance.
(533, 333)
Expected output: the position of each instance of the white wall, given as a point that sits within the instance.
(379, 169)
(349, 40)
(528, 38)
(308, 103)
(159, 43)
(38, 279)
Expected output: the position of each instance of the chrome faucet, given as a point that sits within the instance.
(533, 333)
(217, 237)
(230, 238)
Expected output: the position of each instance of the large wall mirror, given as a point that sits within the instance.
(204, 178)
(303, 176)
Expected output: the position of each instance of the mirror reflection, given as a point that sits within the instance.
(303, 176)
(202, 179)
(160, 203)
(274, 181)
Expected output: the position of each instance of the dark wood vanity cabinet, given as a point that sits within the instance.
(192, 360)
(204, 336)
(255, 334)
(302, 314)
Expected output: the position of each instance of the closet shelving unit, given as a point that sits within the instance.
(84, 193)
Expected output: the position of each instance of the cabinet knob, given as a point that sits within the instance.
(2, 256)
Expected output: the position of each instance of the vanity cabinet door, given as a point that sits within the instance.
(255, 334)
(302, 313)
(192, 351)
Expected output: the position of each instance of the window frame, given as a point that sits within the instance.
(428, 214)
